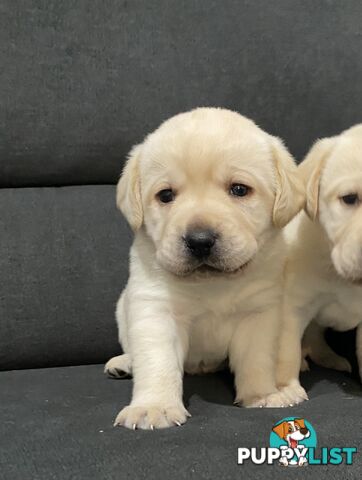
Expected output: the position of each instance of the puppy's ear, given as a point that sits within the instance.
(310, 171)
(290, 192)
(300, 422)
(129, 190)
(281, 429)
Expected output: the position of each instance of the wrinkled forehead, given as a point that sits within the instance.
(343, 167)
(199, 153)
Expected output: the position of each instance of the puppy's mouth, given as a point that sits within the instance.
(204, 268)
(210, 270)
(293, 443)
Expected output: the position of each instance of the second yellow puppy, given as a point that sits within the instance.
(324, 270)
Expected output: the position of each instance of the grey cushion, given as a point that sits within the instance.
(57, 424)
(63, 263)
(82, 81)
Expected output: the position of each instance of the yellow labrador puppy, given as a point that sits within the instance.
(206, 194)
(324, 268)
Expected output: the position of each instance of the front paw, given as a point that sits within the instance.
(151, 416)
(294, 393)
(272, 400)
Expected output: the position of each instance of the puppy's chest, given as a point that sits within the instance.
(231, 302)
(345, 310)
(210, 334)
(209, 338)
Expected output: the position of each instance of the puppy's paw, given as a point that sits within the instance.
(273, 400)
(276, 400)
(294, 393)
(119, 367)
(333, 361)
(152, 416)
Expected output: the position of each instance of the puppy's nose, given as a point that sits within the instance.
(200, 242)
(304, 430)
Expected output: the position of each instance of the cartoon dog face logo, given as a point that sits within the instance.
(292, 432)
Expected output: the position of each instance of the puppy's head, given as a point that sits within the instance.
(292, 430)
(332, 173)
(209, 187)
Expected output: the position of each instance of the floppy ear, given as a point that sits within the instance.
(310, 171)
(300, 422)
(129, 190)
(281, 430)
(290, 193)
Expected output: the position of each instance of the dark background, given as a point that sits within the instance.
(80, 82)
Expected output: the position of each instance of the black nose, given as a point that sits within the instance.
(200, 242)
(304, 430)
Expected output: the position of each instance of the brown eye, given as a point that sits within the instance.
(350, 199)
(239, 190)
(166, 196)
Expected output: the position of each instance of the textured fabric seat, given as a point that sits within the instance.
(57, 423)
(80, 83)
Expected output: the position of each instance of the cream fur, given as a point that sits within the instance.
(324, 270)
(174, 317)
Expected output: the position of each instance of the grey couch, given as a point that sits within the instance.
(80, 82)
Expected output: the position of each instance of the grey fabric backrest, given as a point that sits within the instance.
(63, 263)
(81, 82)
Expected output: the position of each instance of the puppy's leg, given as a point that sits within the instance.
(289, 358)
(315, 346)
(252, 356)
(359, 348)
(119, 366)
(157, 364)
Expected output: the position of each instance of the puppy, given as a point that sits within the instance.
(324, 268)
(292, 432)
(206, 194)
(315, 347)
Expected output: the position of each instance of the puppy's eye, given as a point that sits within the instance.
(166, 196)
(239, 190)
(350, 199)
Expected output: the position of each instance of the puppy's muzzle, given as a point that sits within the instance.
(200, 242)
